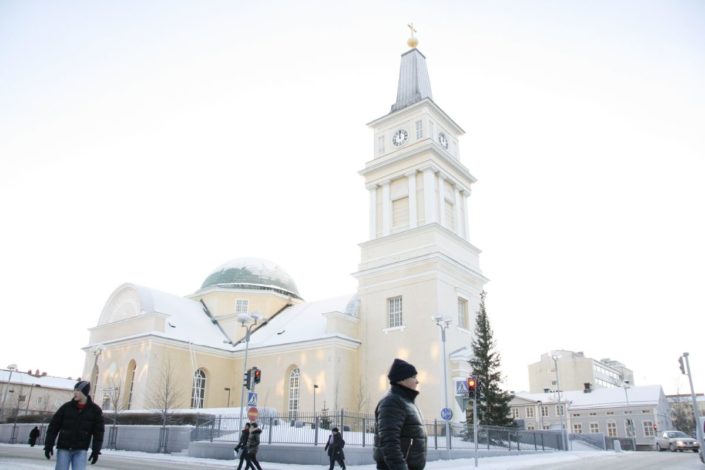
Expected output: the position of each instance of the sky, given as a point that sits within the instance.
(150, 142)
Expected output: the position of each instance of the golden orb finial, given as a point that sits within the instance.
(412, 42)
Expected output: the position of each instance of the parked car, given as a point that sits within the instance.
(676, 440)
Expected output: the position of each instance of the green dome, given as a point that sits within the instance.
(252, 273)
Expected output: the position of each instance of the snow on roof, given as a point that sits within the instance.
(600, 397)
(187, 320)
(299, 323)
(46, 381)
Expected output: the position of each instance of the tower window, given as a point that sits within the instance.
(394, 312)
(462, 313)
(380, 145)
(419, 129)
(241, 306)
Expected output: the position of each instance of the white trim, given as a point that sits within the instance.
(442, 200)
(413, 218)
(373, 212)
(386, 209)
(393, 329)
(429, 192)
(459, 219)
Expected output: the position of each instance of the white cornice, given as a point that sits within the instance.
(409, 151)
(412, 109)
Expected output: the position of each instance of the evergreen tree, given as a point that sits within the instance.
(493, 402)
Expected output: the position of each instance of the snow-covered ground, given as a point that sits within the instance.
(132, 459)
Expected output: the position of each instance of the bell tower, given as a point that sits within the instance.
(418, 262)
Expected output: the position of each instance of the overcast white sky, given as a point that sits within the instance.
(150, 142)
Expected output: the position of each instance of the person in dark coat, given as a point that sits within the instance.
(33, 436)
(242, 445)
(252, 447)
(400, 434)
(79, 425)
(334, 446)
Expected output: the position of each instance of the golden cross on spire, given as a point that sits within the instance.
(412, 41)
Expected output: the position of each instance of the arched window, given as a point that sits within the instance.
(294, 393)
(130, 383)
(198, 391)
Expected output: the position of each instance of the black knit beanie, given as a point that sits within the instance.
(83, 387)
(400, 370)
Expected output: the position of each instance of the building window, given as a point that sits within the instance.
(380, 145)
(241, 305)
(577, 428)
(394, 312)
(530, 427)
(462, 313)
(559, 410)
(419, 129)
(515, 413)
(611, 429)
(530, 412)
(544, 410)
(648, 428)
(594, 427)
(294, 393)
(130, 382)
(198, 391)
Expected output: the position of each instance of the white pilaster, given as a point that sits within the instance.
(442, 199)
(429, 195)
(459, 224)
(386, 209)
(373, 212)
(466, 224)
(411, 177)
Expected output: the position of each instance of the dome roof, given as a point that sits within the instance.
(252, 273)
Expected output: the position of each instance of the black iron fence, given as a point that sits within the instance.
(358, 430)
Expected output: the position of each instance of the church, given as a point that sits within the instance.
(417, 265)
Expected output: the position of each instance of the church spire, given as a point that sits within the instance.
(414, 84)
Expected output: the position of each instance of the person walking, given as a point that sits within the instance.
(252, 447)
(79, 424)
(242, 445)
(400, 434)
(33, 436)
(334, 446)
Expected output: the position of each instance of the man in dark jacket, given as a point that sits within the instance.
(79, 425)
(33, 436)
(252, 447)
(334, 447)
(242, 445)
(400, 434)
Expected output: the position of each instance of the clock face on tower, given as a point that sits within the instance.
(400, 137)
(443, 140)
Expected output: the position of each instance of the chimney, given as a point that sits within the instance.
(44, 374)
(588, 387)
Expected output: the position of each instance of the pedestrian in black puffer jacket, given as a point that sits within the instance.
(400, 434)
(79, 425)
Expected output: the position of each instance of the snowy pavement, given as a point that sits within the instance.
(20, 457)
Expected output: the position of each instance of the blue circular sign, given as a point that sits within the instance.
(446, 414)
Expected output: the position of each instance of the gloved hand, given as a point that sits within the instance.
(48, 452)
(94, 456)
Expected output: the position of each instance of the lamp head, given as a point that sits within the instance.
(12, 367)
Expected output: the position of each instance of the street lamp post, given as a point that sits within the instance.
(227, 389)
(443, 324)
(315, 420)
(248, 321)
(558, 391)
(630, 421)
(11, 368)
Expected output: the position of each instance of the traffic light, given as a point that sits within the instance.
(682, 364)
(472, 385)
(247, 379)
(258, 375)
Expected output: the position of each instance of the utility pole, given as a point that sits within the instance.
(696, 412)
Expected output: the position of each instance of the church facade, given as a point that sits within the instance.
(417, 265)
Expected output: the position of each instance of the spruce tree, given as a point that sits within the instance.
(493, 402)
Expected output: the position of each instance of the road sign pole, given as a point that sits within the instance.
(474, 423)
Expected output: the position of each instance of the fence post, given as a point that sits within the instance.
(518, 441)
(271, 421)
(535, 447)
(315, 433)
(364, 430)
(435, 435)
(212, 429)
(342, 420)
